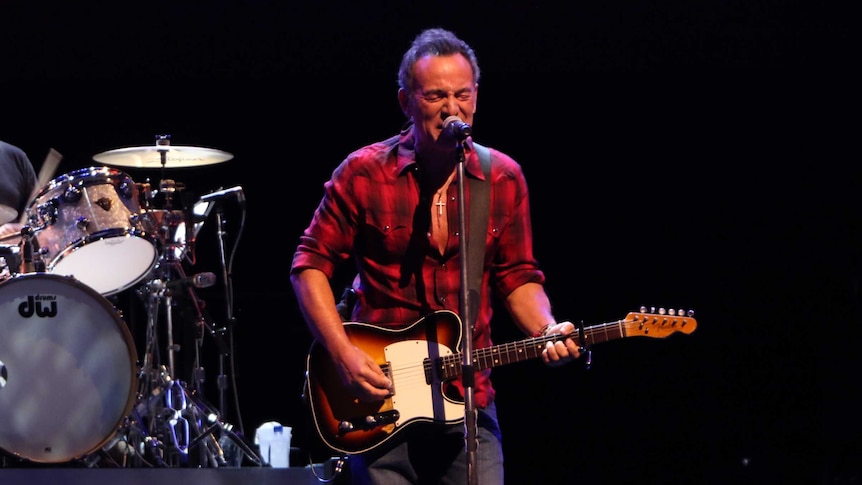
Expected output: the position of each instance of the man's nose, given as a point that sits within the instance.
(452, 105)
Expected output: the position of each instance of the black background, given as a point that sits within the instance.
(692, 155)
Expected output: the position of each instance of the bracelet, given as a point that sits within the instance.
(544, 330)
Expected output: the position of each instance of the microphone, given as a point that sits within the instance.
(457, 128)
(222, 194)
(200, 280)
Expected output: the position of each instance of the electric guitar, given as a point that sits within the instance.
(420, 358)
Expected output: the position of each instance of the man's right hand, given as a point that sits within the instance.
(362, 376)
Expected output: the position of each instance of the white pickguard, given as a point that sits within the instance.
(414, 397)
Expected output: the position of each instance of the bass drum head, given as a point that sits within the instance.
(68, 368)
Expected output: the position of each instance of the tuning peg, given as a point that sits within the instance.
(669, 311)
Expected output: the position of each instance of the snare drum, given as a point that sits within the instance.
(67, 368)
(87, 225)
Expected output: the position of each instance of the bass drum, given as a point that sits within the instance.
(68, 368)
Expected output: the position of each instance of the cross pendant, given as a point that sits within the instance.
(440, 205)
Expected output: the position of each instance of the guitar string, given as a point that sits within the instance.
(504, 353)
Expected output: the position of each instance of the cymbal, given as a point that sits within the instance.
(151, 156)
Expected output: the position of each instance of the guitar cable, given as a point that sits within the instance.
(337, 467)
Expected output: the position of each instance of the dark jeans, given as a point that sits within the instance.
(434, 454)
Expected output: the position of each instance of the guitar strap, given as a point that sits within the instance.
(480, 201)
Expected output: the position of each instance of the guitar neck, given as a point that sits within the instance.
(635, 324)
(512, 352)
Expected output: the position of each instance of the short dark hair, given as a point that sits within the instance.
(435, 42)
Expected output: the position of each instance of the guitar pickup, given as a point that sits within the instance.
(368, 422)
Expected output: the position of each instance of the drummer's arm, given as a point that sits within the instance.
(10, 230)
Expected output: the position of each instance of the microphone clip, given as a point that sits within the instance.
(457, 128)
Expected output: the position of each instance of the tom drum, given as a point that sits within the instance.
(87, 225)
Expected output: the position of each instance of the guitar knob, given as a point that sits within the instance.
(345, 426)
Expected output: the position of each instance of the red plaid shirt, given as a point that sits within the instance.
(368, 211)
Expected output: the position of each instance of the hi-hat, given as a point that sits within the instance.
(151, 156)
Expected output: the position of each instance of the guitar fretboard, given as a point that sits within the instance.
(509, 353)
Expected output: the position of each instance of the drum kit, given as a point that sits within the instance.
(73, 389)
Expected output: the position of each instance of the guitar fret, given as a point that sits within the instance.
(601, 333)
(450, 366)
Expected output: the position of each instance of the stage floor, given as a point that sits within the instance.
(166, 476)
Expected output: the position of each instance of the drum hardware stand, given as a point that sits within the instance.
(31, 261)
(170, 420)
(164, 141)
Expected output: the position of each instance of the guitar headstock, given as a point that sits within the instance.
(659, 323)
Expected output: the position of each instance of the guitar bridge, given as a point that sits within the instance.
(368, 422)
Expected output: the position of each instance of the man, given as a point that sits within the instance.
(16, 187)
(392, 207)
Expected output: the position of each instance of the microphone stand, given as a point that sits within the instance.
(468, 376)
(222, 377)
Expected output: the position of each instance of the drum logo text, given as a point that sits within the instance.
(39, 305)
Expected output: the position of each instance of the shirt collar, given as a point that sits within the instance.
(406, 158)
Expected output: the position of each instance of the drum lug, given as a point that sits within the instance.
(125, 190)
(82, 223)
(72, 194)
(48, 212)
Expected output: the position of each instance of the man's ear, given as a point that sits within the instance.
(404, 100)
(475, 97)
